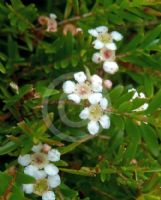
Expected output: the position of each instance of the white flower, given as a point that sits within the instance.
(24, 160)
(49, 195)
(104, 39)
(110, 67)
(54, 155)
(108, 57)
(140, 95)
(28, 188)
(84, 88)
(39, 160)
(51, 170)
(116, 36)
(96, 114)
(104, 55)
(37, 148)
(37, 164)
(54, 181)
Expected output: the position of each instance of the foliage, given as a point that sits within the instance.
(122, 163)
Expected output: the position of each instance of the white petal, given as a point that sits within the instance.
(111, 46)
(24, 160)
(28, 188)
(116, 36)
(141, 95)
(110, 67)
(54, 155)
(142, 108)
(102, 29)
(52, 16)
(49, 195)
(74, 97)
(54, 181)
(40, 174)
(68, 87)
(37, 148)
(51, 169)
(80, 77)
(93, 32)
(95, 98)
(97, 58)
(93, 127)
(84, 113)
(135, 93)
(104, 103)
(105, 121)
(96, 79)
(97, 44)
(31, 170)
(97, 87)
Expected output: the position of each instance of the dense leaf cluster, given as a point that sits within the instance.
(122, 163)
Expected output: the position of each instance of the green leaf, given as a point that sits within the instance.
(7, 148)
(151, 36)
(150, 137)
(17, 193)
(155, 103)
(148, 83)
(22, 178)
(4, 180)
(116, 92)
(2, 69)
(68, 193)
(134, 134)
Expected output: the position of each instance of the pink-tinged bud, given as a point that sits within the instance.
(133, 162)
(51, 25)
(69, 28)
(79, 30)
(46, 148)
(108, 84)
(43, 20)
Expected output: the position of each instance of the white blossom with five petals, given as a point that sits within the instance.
(96, 115)
(38, 165)
(104, 39)
(85, 88)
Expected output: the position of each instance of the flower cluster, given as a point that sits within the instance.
(50, 22)
(104, 42)
(138, 95)
(39, 164)
(89, 89)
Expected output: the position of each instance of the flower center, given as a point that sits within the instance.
(95, 112)
(39, 160)
(41, 186)
(104, 37)
(108, 54)
(83, 90)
